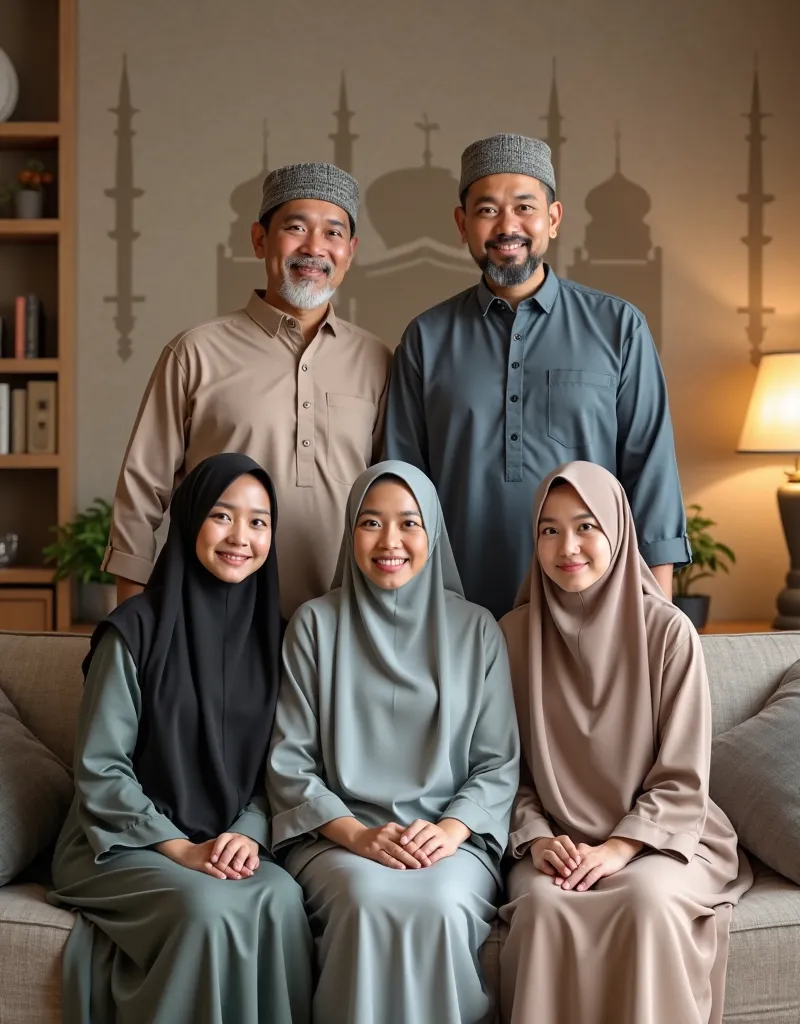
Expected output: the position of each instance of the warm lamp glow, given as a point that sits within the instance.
(773, 416)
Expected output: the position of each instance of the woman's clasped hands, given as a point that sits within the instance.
(229, 856)
(578, 865)
(420, 845)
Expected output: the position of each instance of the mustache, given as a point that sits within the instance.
(311, 262)
(499, 240)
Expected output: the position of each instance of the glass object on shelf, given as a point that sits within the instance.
(9, 543)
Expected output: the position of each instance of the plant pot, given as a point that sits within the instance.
(29, 202)
(695, 607)
(95, 601)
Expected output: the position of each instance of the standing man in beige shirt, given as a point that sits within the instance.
(283, 380)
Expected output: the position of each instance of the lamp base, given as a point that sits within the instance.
(788, 616)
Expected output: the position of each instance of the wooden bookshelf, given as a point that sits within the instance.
(29, 134)
(29, 367)
(38, 491)
(45, 230)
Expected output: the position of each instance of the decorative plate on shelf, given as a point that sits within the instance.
(9, 87)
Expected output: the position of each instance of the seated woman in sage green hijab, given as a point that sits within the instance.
(183, 917)
(393, 766)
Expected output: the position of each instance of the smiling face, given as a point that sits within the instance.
(572, 548)
(308, 248)
(507, 222)
(389, 540)
(235, 538)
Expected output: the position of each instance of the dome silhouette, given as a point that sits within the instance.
(617, 230)
(245, 201)
(414, 203)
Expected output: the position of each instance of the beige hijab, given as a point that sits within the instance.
(600, 714)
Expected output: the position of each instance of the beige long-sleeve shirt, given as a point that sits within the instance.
(310, 413)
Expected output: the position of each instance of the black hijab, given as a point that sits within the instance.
(208, 659)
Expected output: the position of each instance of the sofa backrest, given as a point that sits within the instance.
(40, 673)
(744, 671)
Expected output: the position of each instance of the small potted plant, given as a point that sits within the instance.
(708, 558)
(28, 190)
(78, 554)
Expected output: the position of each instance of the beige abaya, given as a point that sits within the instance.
(615, 721)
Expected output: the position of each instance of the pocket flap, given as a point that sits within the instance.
(591, 378)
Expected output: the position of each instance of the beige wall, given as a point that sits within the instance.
(677, 76)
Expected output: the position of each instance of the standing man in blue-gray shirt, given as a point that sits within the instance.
(497, 386)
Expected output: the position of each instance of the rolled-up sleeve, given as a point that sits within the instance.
(646, 462)
(154, 456)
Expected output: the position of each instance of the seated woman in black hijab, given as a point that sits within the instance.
(183, 917)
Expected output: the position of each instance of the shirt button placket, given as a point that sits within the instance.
(305, 424)
(514, 404)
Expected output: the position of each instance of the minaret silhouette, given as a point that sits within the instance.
(755, 239)
(343, 138)
(427, 128)
(554, 139)
(124, 193)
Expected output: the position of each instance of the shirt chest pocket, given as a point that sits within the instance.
(350, 424)
(581, 404)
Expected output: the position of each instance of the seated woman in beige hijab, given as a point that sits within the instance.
(394, 765)
(620, 898)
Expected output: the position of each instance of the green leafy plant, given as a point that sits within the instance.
(708, 555)
(80, 545)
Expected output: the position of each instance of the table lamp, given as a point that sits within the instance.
(772, 427)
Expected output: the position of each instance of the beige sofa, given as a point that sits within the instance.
(40, 673)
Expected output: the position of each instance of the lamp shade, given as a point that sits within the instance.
(772, 424)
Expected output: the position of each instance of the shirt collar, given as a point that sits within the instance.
(271, 319)
(544, 298)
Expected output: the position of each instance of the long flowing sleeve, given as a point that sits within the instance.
(406, 431)
(528, 820)
(253, 821)
(113, 809)
(670, 813)
(301, 802)
(484, 802)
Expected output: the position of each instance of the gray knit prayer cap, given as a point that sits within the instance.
(506, 154)
(310, 181)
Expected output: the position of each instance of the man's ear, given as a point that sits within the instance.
(258, 236)
(460, 215)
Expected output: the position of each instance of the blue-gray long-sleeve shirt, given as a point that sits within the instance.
(487, 401)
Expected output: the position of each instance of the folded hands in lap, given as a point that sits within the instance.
(579, 865)
(229, 856)
(420, 845)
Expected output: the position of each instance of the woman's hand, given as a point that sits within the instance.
(430, 843)
(195, 856)
(382, 844)
(600, 861)
(555, 855)
(235, 853)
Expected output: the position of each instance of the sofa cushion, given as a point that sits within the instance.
(755, 778)
(32, 936)
(41, 676)
(35, 794)
(744, 671)
(763, 983)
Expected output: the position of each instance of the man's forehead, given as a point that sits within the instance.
(312, 209)
(505, 185)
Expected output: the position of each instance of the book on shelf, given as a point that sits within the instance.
(42, 417)
(6, 340)
(28, 337)
(5, 419)
(19, 421)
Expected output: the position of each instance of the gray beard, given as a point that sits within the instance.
(305, 294)
(509, 275)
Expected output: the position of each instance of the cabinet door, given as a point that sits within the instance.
(26, 611)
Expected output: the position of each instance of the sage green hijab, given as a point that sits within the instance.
(395, 704)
